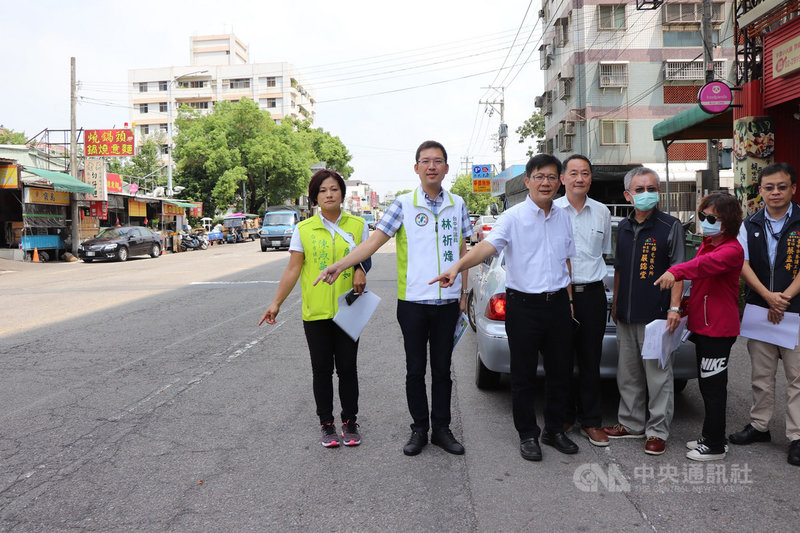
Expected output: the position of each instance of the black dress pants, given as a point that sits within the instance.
(590, 305)
(424, 324)
(534, 324)
(331, 348)
(712, 369)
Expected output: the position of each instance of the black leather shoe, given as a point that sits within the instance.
(749, 435)
(530, 450)
(445, 440)
(560, 442)
(416, 442)
(794, 453)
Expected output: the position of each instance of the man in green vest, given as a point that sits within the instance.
(431, 225)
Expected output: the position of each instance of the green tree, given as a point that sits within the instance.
(11, 137)
(476, 202)
(239, 143)
(327, 148)
(532, 129)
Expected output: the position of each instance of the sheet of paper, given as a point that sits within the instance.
(353, 318)
(659, 343)
(756, 326)
(461, 327)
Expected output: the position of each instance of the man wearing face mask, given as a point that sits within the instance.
(771, 242)
(648, 243)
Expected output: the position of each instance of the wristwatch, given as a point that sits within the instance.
(463, 292)
(674, 310)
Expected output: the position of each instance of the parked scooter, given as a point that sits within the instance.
(193, 241)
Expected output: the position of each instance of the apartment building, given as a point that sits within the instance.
(612, 72)
(219, 69)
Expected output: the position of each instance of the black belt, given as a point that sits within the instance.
(527, 297)
(583, 287)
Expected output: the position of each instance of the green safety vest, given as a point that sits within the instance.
(321, 250)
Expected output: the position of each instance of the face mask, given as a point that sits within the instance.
(645, 201)
(709, 230)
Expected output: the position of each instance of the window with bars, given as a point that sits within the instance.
(544, 57)
(240, 83)
(613, 74)
(690, 13)
(547, 103)
(548, 146)
(564, 88)
(614, 132)
(692, 70)
(611, 17)
(562, 32)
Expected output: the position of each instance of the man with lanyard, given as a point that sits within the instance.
(771, 242)
(431, 225)
(591, 227)
(538, 243)
(649, 241)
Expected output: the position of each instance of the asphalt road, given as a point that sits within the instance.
(142, 397)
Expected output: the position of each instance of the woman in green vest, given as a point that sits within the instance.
(317, 242)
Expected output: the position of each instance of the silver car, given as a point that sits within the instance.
(486, 312)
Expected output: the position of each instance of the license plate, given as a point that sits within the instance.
(89, 254)
(276, 243)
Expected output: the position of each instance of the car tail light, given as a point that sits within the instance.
(496, 308)
(486, 228)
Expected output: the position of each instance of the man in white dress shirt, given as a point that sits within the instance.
(538, 243)
(591, 226)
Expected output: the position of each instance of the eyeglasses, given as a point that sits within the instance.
(640, 190)
(542, 177)
(703, 217)
(769, 188)
(427, 162)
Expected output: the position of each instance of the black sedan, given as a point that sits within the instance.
(121, 243)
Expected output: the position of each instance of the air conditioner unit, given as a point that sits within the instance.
(538, 102)
(569, 128)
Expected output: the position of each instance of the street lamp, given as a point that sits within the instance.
(169, 127)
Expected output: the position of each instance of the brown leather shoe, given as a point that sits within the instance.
(596, 436)
(655, 446)
(621, 432)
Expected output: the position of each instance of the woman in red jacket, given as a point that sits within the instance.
(713, 311)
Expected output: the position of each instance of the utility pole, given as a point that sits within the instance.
(712, 183)
(73, 156)
(502, 131)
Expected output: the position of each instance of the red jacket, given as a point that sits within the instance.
(714, 301)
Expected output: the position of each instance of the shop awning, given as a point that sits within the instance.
(61, 181)
(180, 204)
(694, 123)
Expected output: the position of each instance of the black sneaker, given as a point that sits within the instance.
(704, 453)
(693, 444)
(329, 437)
(350, 436)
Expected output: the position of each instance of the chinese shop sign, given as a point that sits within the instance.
(108, 143)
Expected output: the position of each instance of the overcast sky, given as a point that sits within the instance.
(432, 60)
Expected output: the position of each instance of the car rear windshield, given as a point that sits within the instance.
(282, 219)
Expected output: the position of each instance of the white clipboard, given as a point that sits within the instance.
(353, 318)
